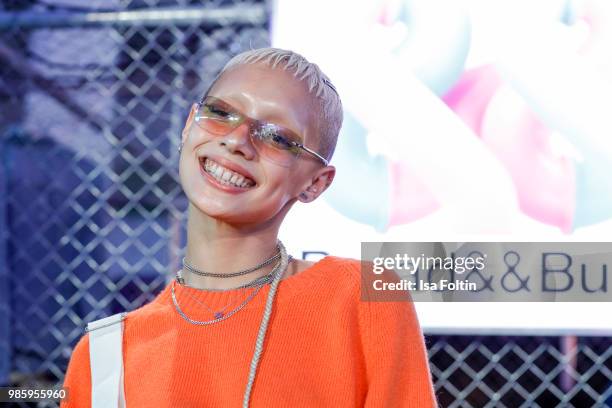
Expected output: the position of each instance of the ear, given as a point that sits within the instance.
(319, 183)
(188, 123)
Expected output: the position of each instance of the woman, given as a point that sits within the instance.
(243, 323)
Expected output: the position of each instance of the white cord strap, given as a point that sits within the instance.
(106, 359)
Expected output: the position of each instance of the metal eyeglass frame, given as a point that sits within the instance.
(248, 119)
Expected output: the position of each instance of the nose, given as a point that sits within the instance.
(238, 141)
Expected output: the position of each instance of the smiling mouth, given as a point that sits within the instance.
(224, 175)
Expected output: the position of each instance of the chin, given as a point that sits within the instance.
(236, 215)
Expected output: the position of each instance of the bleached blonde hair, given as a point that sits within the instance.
(325, 97)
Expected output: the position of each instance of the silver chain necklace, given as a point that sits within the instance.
(263, 326)
(260, 280)
(233, 274)
(221, 317)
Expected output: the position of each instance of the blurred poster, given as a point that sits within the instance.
(464, 120)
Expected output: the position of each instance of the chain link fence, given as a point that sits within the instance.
(92, 102)
(93, 96)
(525, 371)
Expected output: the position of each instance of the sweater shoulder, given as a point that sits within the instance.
(344, 268)
(78, 376)
(336, 280)
(153, 312)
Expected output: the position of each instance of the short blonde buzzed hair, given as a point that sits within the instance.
(325, 97)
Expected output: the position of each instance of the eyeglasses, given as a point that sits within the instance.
(277, 143)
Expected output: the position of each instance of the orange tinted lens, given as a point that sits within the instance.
(217, 117)
(215, 127)
(276, 142)
(272, 141)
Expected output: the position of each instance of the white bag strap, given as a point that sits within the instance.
(106, 358)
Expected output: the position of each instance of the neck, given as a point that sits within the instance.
(218, 247)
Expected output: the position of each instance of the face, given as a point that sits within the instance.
(226, 177)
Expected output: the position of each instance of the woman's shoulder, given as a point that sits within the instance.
(333, 278)
(333, 270)
(151, 314)
(351, 281)
(342, 265)
(145, 314)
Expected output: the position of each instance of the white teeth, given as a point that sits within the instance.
(226, 176)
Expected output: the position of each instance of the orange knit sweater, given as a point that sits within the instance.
(324, 348)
